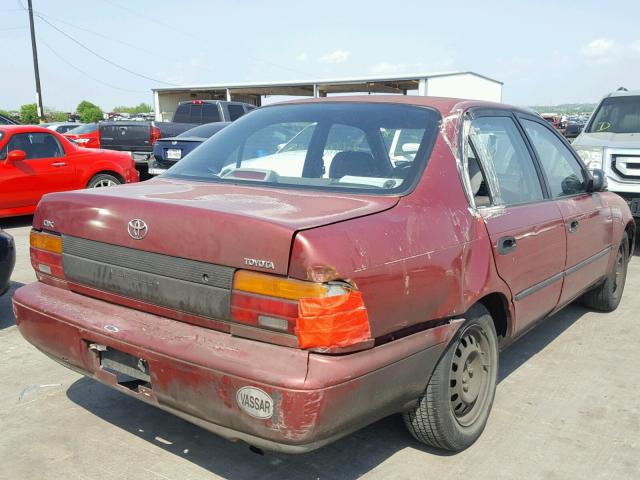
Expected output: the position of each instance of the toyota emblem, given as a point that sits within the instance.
(137, 229)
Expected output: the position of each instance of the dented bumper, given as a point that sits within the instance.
(294, 401)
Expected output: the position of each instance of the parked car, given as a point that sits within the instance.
(35, 161)
(168, 151)
(61, 127)
(86, 135)
(611, 142)
(6, 121)
(139, 137)
(573, 129)
(288, 305)
(7, 260)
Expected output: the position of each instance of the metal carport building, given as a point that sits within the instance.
(448, 84)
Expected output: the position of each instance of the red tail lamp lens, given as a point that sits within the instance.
(320, 315)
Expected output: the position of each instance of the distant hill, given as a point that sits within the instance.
(568, 108)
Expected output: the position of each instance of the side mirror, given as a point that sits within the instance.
(598, 181)
(15, 156)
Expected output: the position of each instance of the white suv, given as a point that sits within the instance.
(611, 141)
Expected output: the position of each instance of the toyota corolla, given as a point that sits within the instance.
(288, 291)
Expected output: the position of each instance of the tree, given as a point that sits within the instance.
(140, 108)
(29, 114)
(89, 112)
(56, 116)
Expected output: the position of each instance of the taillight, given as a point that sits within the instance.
(46, 253)
(154, 135)
(320, 315)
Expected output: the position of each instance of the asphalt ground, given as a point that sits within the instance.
(566, 407)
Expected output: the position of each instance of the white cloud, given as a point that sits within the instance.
(303, 57)
(388, 68)
(600, 51)
(339, 56)
(605, 51)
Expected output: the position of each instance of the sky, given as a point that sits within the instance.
(545, 52)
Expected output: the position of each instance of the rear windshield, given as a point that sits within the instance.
(204, 131)
(197, 112)
(617, 115)
(379, 148)
(86, 128)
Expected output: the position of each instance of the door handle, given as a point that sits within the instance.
(506, 245)
(58, 164)
(573, 225)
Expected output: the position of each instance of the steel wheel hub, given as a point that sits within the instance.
(469, 376)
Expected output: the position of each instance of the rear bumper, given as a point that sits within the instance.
(196, 372)
(7, 260)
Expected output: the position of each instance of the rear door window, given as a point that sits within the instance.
(497, 157)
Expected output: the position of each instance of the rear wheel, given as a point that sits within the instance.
(103, 180)
(606, 296)
(453, 411)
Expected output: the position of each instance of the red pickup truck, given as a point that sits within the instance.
(288, 296)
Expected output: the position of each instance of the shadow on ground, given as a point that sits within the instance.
(15, 222)
(6, 312)
(348, 458)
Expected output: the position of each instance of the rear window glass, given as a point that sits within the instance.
(368, 147)
(617, 115)
(210, 113)
(235, 111)
(182, 113)
(86, 128)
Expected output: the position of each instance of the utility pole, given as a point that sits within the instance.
(35, 65)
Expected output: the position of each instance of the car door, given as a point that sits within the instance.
(45, 168)
(526, 228)
(588, 220)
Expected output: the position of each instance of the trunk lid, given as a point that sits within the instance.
(230, 225)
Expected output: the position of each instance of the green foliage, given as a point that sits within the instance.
(85, 105)
(91, 114)
(140, 108)
(56, 116)
(29, 114)
(566, 108)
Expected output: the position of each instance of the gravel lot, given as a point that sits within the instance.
(566, 407)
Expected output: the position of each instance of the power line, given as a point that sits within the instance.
(83, 72)
(174, 29)
(100, 56)
(117, 40)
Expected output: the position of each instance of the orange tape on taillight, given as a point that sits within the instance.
(337, 321)
(46, 241)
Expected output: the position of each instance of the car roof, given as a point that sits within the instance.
(444, 105)
(24, 129)
(624, 93)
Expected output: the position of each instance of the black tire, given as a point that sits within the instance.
(103, 180)
(446, 416)
(606, 296)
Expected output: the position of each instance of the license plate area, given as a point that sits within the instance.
(174, 154)
(130, 371)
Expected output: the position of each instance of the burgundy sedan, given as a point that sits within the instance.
(36, 160)
(319, 265)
